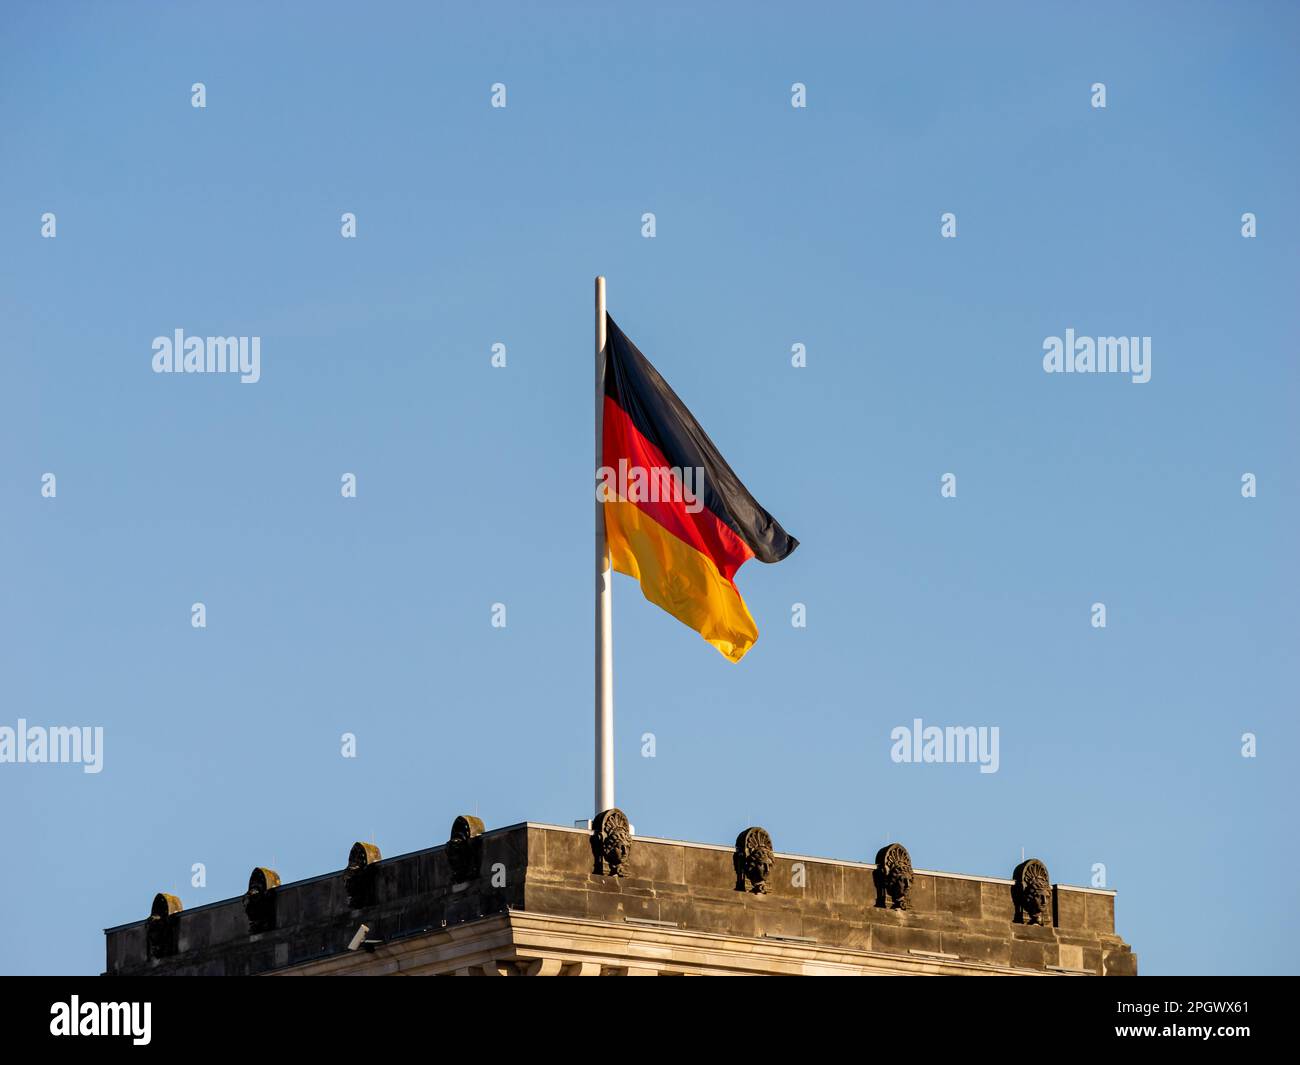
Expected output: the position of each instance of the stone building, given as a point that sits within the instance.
(547, 900)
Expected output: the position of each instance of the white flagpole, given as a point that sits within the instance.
(604, 589)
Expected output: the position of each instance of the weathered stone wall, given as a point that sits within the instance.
(694, 886)
(314, 918)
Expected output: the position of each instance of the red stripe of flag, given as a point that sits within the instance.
(703, 531)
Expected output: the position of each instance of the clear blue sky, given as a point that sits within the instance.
(775, 226)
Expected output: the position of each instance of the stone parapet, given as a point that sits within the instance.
(534, 899)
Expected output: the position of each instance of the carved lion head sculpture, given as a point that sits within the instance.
(161, 930)
(753, 860)
(359, 877)
(259, 900)
(465, 848)
(1033, 892)
(893, 877)
(611, 842)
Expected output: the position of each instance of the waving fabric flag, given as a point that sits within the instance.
(676, 517)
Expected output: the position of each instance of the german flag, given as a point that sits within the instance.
(676, 517)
